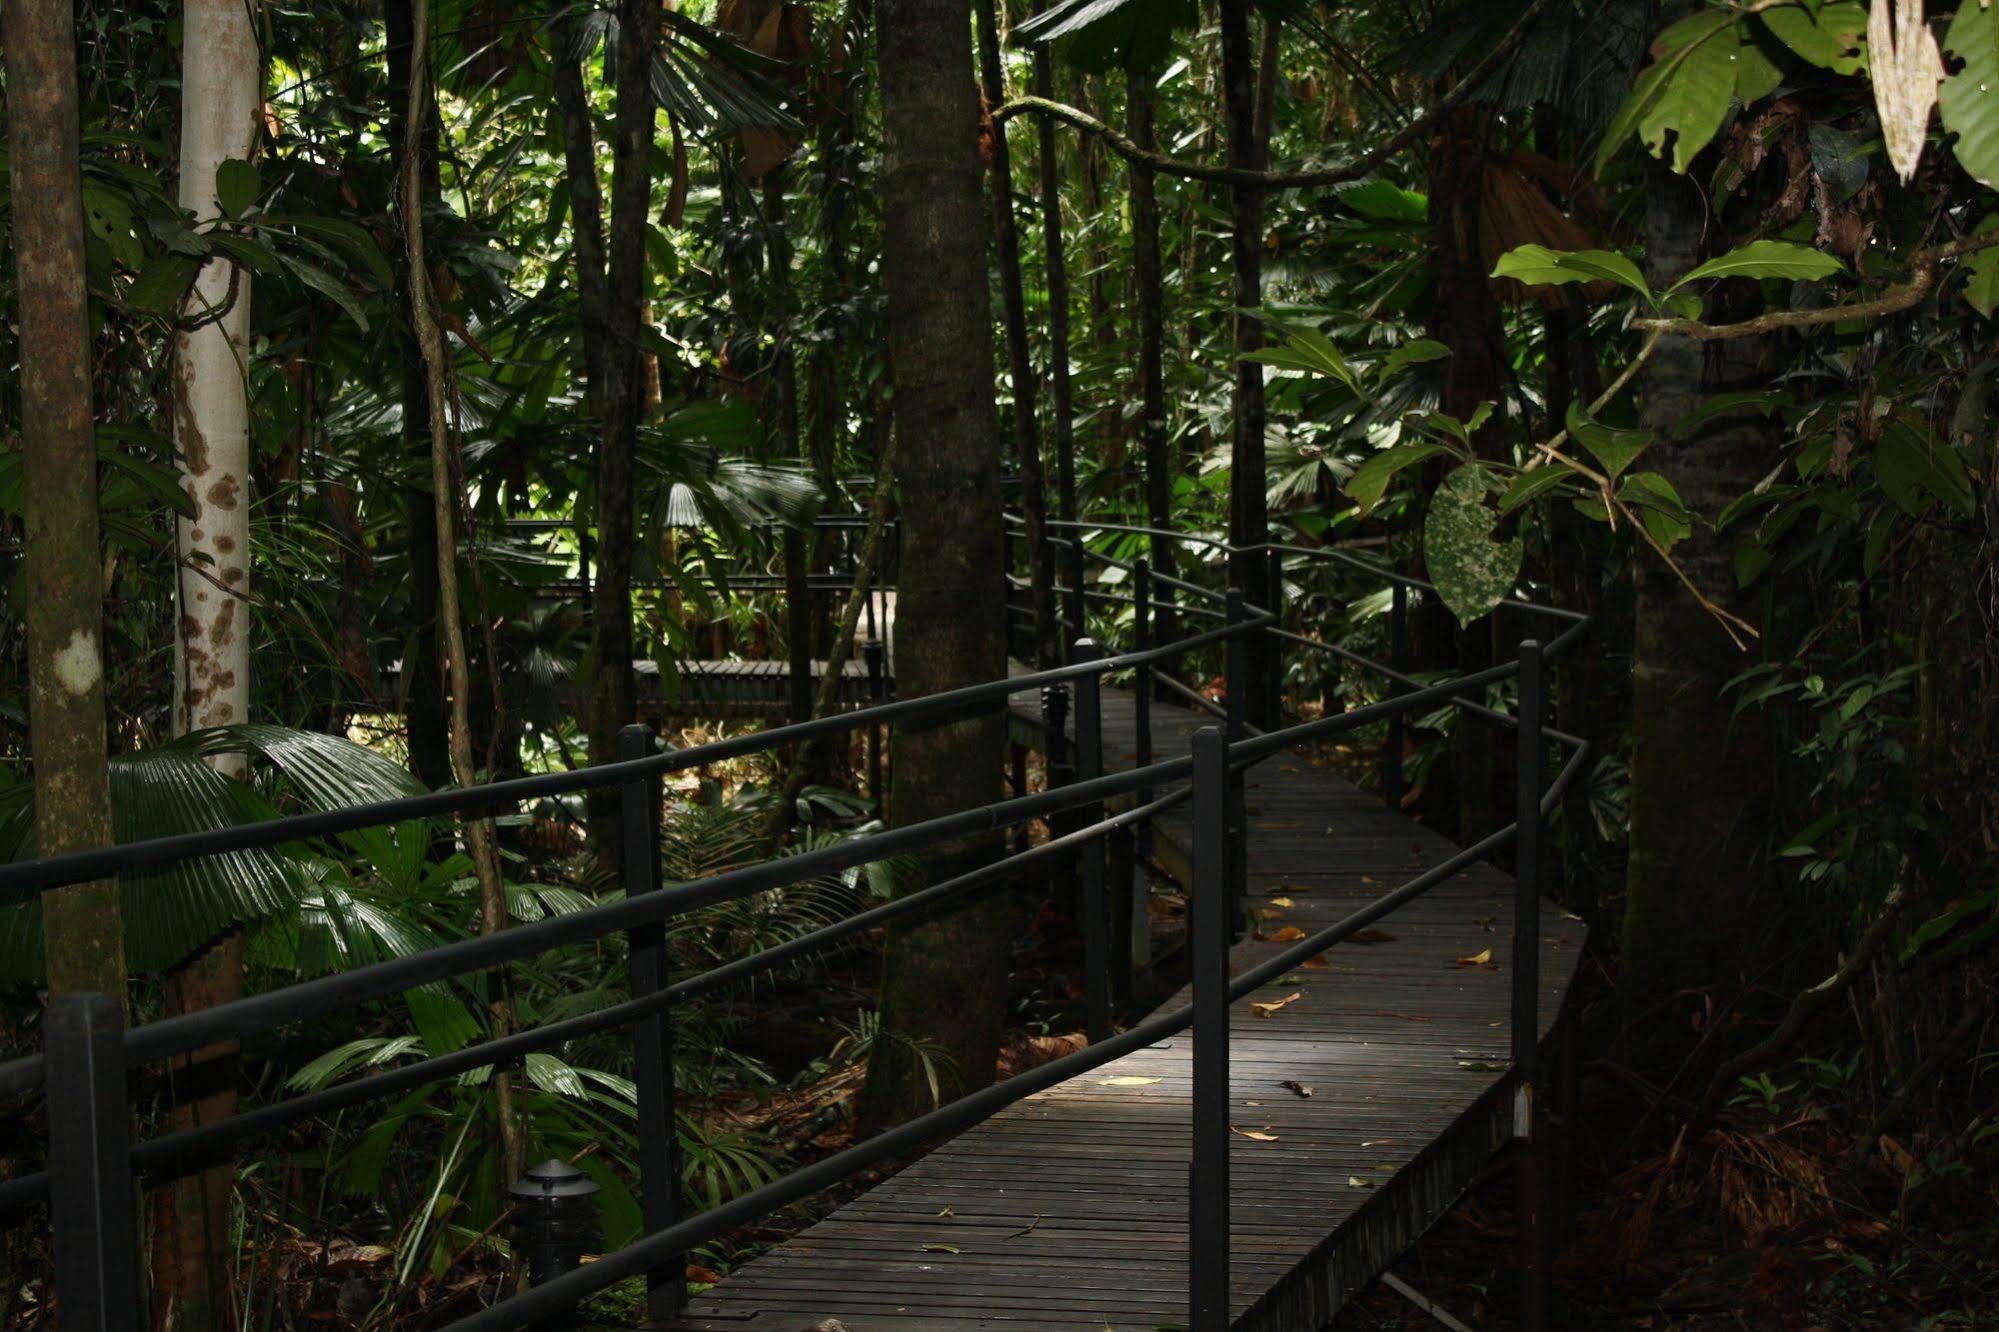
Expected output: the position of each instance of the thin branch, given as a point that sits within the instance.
(1802, 1009)
(1364, 165)
(1894, 300)
(1551, 451)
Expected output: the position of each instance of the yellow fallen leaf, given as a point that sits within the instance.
(1482, 958)
(1357, 1182)
(1127, 1081)
(941, 1248)
(1282, 902)
(1254, 1135)
(1271, 1007)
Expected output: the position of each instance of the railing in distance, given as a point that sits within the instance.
(89, 1052)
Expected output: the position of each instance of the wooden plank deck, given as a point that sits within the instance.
(1068, 1210)
(741, 688)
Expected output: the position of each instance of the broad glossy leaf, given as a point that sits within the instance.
(1831, 36)
(1384, 201)
(1473, 572)
(1682, 97)
(1981, 281)
(162, 284)
(1969, 98)
(1655, 503)
(237, 186)
(1371, 479)
(1537, 265)
(1531, 485)
(1768, 259)
(1614, 446)
(1916, 470)
(1419, 352)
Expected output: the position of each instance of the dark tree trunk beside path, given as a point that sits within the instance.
(943, 980)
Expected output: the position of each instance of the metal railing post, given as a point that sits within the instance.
(1398, 659)
(1055, 735)
(91, 1202)
(1526, 961)
(875, 654)
(1535, 1223)
(1142, 687)
(1274, 655)
(1095, 903)
(652, 1036)
(1079, 610)
(1208, 942)
(1236, 723)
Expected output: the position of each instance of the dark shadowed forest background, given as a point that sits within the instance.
(416, 391)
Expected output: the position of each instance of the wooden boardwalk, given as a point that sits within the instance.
(1068, 1209)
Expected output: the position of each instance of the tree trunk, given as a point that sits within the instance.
(612, 690)
(1090, 157)
(1064, 405)
(82, 939)
(944, 981)
(1464, 316)
(221, 100)
(586, 205)
(1249, 517)
(1148, 277)
(1700, 774)
(1020, 364)
(422, 681)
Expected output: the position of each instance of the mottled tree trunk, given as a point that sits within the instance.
(221, 100)
(1701, 776)
(943, 980)
(1249, 516)
(1150, 295)
(82, 940)
(1020, 364)
(612, 689)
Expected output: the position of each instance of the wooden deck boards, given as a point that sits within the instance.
(1068, 1210)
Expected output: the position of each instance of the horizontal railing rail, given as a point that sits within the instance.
(89, 1053)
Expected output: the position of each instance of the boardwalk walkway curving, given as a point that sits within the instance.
(1069, 1209)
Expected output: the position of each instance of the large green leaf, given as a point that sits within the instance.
(172, 789)
(1100, 35)
(1831, 36)
(1682, 97)
(1969, 99)
(1539, 266)
(1917, 470)
(1767, 259)
(1371, 479)
(1473, 572)
(1616, 447)
(1981, 279)
(1311, 351)
(1656, 504)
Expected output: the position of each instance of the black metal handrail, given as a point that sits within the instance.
(88, 1052)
